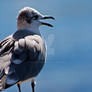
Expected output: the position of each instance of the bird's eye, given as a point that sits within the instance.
(35, 17)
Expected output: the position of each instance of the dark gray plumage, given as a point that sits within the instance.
(22, 56)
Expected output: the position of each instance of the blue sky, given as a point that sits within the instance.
(68, 66)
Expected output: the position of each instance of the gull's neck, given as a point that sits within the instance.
(33, 27)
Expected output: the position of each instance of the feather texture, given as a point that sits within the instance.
(22, 56)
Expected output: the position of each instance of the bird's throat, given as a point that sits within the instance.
(31, 27)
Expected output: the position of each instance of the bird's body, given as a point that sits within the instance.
(22, 54)
(22, 57)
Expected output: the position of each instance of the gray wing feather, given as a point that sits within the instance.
(21, 57)
(5, 48)
(27, 48)
(30, 57)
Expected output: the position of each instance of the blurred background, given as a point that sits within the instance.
(68, 65)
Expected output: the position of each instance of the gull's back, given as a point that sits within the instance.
(22, 56)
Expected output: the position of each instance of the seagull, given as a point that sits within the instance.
(23, 54)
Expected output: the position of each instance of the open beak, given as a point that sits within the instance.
(47, 17)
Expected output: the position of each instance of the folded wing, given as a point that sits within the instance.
(20, 58)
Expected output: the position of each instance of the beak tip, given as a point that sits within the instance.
(53, 18)
(51, 26)
(47, 24)
(48, 17)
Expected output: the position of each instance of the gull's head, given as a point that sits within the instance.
(29, 18)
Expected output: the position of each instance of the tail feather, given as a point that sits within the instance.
(3, 84)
